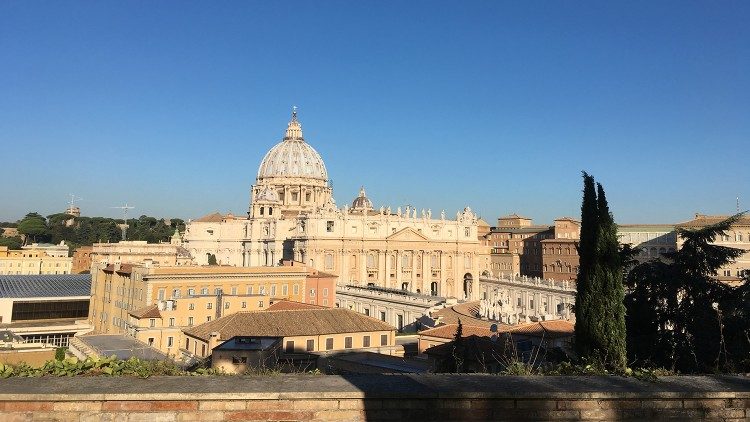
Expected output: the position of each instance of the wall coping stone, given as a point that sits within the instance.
(397, 386)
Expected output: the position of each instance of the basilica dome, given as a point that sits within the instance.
(293, 157)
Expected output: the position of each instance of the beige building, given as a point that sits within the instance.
(31, 261)
(154, 303)
(139, 251)
(653, 240)
(738, 236)
(292, 215)
(256, 338)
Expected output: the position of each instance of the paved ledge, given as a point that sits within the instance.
(283, 387)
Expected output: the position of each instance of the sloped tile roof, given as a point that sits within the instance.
(45, 285)
(289, 323)
(146, 312)
(288, 305)
(211, 218)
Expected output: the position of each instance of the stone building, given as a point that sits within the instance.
(293, 216)
(653, 240)
(560, 254)
(34, 261)
(153, 304)
(82, 260)
(515, 246)
(140, 251)
(263, 339)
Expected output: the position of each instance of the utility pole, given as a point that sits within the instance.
(124, 226)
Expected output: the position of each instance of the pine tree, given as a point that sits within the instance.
(681, 317)
(600, 313)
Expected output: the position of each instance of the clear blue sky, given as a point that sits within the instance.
(171, 105)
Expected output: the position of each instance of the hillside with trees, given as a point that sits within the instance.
(84, 231)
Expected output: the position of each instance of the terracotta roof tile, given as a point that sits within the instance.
(211, 218)
(146, 312)
(289, 323)
(289, 305)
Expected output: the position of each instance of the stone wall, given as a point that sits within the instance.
(373, 397)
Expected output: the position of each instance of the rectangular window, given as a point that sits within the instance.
(367, 311)
(226, 305)
(384, 339)
(296, 289)
(329, 344)
(325, 292)
(191, 292)
(260, 303)
(190, 321)
(382, 316)
(208, 318)
(249, 290)
(366, 341)
(244, 305)
(152, 323)
(209, 305)
(273, 290)
(203, 349)
(285, 289)
(234, 291)
(171, 322)
(312, 292)
(310, 345)
(161, 294)
(170, 341)
(329, 226)
(191, 306)
(290, 346)
(347, 342)
(239, 360)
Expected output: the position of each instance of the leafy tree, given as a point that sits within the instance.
(680, 316)
(11, 242)
(33, 226)
(600, 313)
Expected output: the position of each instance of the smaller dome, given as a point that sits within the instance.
(362, 202)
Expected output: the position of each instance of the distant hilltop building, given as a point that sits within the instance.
(74, 211)
(293, 216)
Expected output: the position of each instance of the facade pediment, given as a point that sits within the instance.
(407, 235)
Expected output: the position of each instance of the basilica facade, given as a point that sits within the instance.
(293, 216)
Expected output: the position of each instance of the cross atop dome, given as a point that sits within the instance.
(294, 128)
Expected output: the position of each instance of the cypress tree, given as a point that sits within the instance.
(600, 312)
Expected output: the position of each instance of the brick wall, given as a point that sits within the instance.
(394, 397)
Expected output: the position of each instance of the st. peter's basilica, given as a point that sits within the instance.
(293, 216)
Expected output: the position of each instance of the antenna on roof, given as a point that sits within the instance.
(124, 226)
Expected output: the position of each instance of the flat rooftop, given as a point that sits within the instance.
(124, 347)
(45, 285)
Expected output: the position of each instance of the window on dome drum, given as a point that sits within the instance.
(270, 210)
(261, 210)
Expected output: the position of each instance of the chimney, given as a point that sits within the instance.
(213, 340)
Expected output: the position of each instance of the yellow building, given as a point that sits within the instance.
(268, 337)
(33, 261)
(154, 303)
